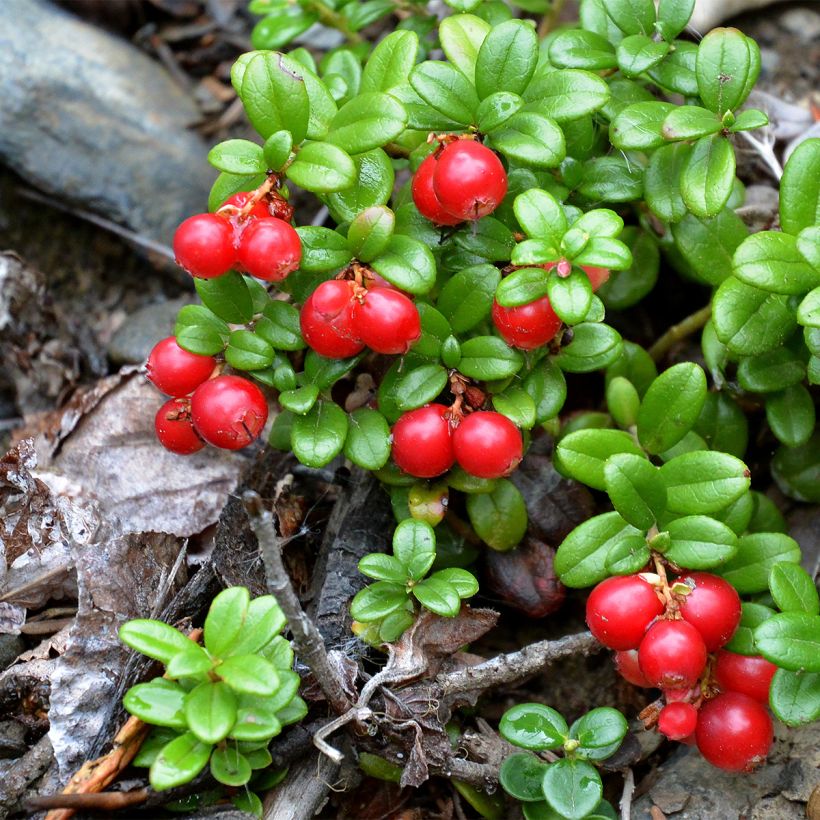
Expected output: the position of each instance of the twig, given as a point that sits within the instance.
(309, 644)
(105, 801)
(766, 153)
(476, 774)
(626, 796)
(24, 771)
(515, 666)
(332, 19)
(677, 333)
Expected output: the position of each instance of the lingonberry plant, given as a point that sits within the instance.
(480, 214)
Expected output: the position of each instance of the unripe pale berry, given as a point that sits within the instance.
(203, 246)
(175, 371)
(269, 249)
(174, 428)
(327, 323)
(425, 197)
(626, 663)
(469, 179)
(423, 442)
(386, 320)
(487, 444)
(712, 607)
(620, 609)
(672, 654)
(229, 412)
(527, 326)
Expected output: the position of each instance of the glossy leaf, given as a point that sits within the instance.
(180, 761)
(368, 440)
(757, 553)
(210, 710)
(795, 696)
(635, 488)
(793, 589)
(791, 640)
(159, 702)
(800, 188)
(322, 168)
(319, 436)
(703, 482)
(498, 517)
(533, 726)
(573, 788)
(582, 454)
(708, 176)
(155, 639)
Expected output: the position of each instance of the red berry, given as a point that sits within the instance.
(270, 249)
(229, 412)
(596, 276)
(749, 675)
(626, 664)
(240, 200)
(712, 607)
(203, 246)
(425, 197)
(677, 720)
(327, 320)
(175, 371)
(469, 179)
(527, 326)
(174, 428)
(386, 321)
(620, 609)
(488, 445)
(672, 654)
(423, 442)
(734, 732)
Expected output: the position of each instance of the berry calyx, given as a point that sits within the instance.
(619, 611)
(387, 321)
(748, 674)
(203, 246)
(423, 442)
(469, 179)
(269, 249)
(734, 732)
(712, 607)
(672, 654)
(229, 412)
(488, 444)
(527, 326)
(327, 323)
(425, 197)
(239, 201)
(677, 720)
(175, 371)
(626, 664)
(174, 428)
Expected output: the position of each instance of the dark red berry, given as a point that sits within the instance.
(386, 321)
(327, 320)
(240, 200)
(672, 654)
(229, 412)
(488, 445)
(596, 276)
(712, 607)
(734, 732)
(174, 428)
(748, 674)
(677, 720)
(469, 179)
(527, 326)
(423, 442)
(175, 371)
(425, 197)
(626, 663)
(269, 249)
(203, 246)
(620, 609)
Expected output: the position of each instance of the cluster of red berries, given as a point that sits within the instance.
(664, 641)
(241, 235)
(427, 442)
(225, 411)
(341, 317)
(464, 180)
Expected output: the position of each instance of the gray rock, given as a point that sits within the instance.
(89, 118)
(134, 339)
(10, 647)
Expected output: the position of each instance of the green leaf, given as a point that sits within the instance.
(639, 53)
(368, 121)
(690, 122)
(322, 106)
(517, 405)
(463, 582)
(467, 297)
(445, 89)
(581, 49)
(627, 287)
(326, 372)
(507, 58)
(158, 702)
(377, 601)
(256, 719)
(757, 553)
(420, 385)
(540, 215)
(488, 357)
(632, 16)
(611, 179)
(322, 249)
(249, 674)
(708, 176)
(771, 261)
(750, 321)
(438, 596)
(155, 639)
(531, 140)
(635, 488)
(300, 400)
(594, 346)
(248, 351)
(275, 98)
(322, 168)
(797, 470)
(638, 127)
(533, 726)
(791, 640)
(581, 455)
(752, 615)
(461, 37)
(180, 761)
(808, 243)
(671, 406)
(800, 188)
(407, 264)
(368, 440)
(191, 664)
(573, 788)
(435, 331)
(793, 589)
(227, 296)
(390, 62)
(699, 542)
(628, 556)
(152, 746)
(264, 620)
(319, 436)
(373, 186)
(198, 330)
(568, 94)
(414, 544)
(230, 766)
(495, 110)
(808, 314)
(210, 710)
(277, 149)
(370, 232)
(676, 72)
(622, 402)
(547, 388)
(279, 326)
(673, 16)
(791, 415)
(795, 697)
(498, 517)
(522, 286)
(662, 182)
(723, 425)
(581, 559)
(225, 619)
(728, 63)
(600, 732)
(605, 253)
(238, 157)
(281, 26)
(708, 245)
(772, 371)
(383, 568)
(521, 776)
(571, 296)
(704, 482)
(749, 119)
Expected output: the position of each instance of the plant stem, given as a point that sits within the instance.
(309, 644)
(332, 19)
(550, 18)
(676, 333)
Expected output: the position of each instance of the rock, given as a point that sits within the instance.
(10, 647)
(711, 13)
(804, 23)
(89, 118)
(133, 340)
